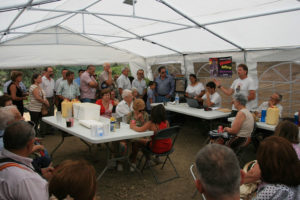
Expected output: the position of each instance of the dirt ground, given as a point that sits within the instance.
(116, 185)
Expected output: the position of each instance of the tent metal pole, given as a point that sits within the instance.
(19, 6)
(252, 16)
(114, 15)
(138, 37)
(201, 26)
(169, 31)
(16, 17)
(76, 13)
(48, 33)
(83, 26)
(47, 19)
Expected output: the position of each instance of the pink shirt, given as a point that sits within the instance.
(17, 183)
(85, 90)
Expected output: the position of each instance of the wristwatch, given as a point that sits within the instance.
(219, 86)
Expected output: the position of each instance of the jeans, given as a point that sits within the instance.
(160, 99)
(86, 100)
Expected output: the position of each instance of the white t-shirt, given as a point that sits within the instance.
(124, 82)
(243, 86)
(123, 108)
(265, 106)
(215, 98)
(48, 86)
(194, 90)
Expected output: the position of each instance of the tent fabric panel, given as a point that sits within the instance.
(215, 10)
(143, 48)
(195, 41)
(35, 56)
(254, 33)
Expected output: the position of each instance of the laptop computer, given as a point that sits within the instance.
(193, 103)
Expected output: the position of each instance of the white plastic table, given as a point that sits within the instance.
(124, 133)
(183, 108)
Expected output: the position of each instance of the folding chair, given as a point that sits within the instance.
(172, 133)
(194, 177)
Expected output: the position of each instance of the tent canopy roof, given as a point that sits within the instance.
(153, 27)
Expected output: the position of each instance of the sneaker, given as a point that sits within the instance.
(132, 167)
(119, 167)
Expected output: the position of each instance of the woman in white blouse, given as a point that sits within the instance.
(195, 88)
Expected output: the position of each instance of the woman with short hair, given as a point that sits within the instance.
(243, 124)
(280, 169)
(15, 91)
(106, 103)
(37, 98)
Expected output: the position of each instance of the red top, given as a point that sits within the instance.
(102, 109)
(163, 145)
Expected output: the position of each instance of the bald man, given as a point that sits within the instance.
(105, 78)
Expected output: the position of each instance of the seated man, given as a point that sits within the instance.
(125, 106)
(18, 179)
(211, 97)
(274, 100)
(219, 173)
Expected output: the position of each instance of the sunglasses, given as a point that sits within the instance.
(141, 110)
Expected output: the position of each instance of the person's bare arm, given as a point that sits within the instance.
(252, 95)
(36, 95)
(13, 93)
(209, 103)
(237, 123)
(93, 84)
(227, 91)
(109, 80)
(140, 129)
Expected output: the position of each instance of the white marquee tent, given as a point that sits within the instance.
(77, 32)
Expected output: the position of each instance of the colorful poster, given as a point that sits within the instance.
(220, 67)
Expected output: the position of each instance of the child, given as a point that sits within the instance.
(157, 122)
(150, 95)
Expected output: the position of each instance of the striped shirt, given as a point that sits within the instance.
(34, 104)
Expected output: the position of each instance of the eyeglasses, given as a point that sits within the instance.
(141, 110)
(163, 72)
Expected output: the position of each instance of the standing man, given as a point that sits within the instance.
(88, 85)
(105, 78)
(77, 80)
(140, 84)
(68, 89)
(219, 173)
(165, 85)
(63, 77)
(123, 81)
(48, 86)
(243, 84)
(57, 83)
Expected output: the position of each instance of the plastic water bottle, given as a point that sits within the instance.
(176, 99)
(100, 131)
(112, 124)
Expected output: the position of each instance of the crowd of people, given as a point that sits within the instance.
(23, 176)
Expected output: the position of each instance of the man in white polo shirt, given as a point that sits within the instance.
(140, 84)
(123, 81)
(48, 85)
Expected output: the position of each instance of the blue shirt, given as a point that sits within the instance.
(150, 95)
(70, 91)
(77, 80)
(166, 86)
